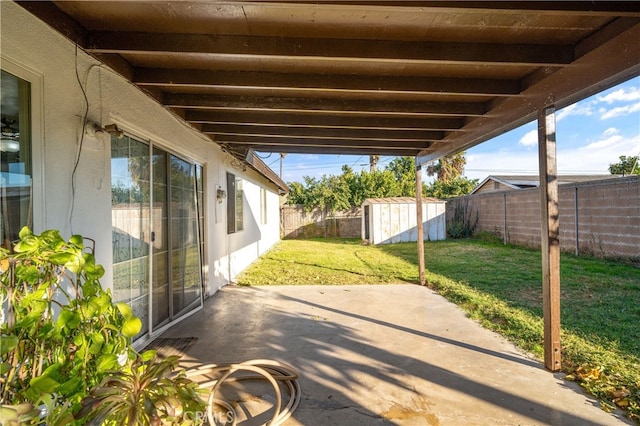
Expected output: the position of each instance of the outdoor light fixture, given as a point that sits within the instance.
(220, 194)
(113, 129)
(94, 130)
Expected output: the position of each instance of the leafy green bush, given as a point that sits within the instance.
(462, 225)
(62, 334)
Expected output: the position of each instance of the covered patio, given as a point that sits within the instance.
(381, 355)
(406, 78)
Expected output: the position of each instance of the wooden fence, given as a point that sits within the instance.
(297, 223)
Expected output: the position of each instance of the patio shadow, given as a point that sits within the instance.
(388, 355)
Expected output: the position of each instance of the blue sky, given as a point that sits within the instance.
(590, 135)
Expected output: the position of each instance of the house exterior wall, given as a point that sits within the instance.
(256, 238)
(607, 214)
(52, 60)
(493, 186)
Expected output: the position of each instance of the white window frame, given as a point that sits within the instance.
(35, 79)
(263, 206)
(233, 192)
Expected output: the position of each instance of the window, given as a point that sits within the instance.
(235, 202)
(263, 206)
(16, 189)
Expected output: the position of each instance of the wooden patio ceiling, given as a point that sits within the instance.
(405, 78)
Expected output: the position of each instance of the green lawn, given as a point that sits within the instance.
(500, 286)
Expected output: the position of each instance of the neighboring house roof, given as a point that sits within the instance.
(532, 181)
(400, 200)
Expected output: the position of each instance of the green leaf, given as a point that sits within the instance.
(61, 258)
(30, 273)
(148, 355)
(8, 343)
(77, 240)
(97, 341)
(70, 386)
(102, 302)
(52, 236)
(26, 245)
(68, 319)
(75, 265)
(125, 310)
(24, 232)
(78, 339)
(95, 271)
(107, 362)
(131, 327)
(90, 288)
(44, 384)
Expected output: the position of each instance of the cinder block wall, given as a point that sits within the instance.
(607, 214)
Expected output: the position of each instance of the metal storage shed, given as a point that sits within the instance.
(393, 220)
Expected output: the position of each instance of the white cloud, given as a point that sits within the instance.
(621, 95)
(529, 139)
(619, 111)
(611, 131)
(593, 158)
(481, 165)
(603, 143)
(596, 157)
(579, 108)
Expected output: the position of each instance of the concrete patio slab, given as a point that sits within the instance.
(385, 355)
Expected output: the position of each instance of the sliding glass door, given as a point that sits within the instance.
(156, 231)
(185, 247)
(161, 284)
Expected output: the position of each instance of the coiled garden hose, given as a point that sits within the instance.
(274, 372)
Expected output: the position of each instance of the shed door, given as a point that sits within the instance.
(366, 223)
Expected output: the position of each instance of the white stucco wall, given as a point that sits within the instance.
(30, 45)
(255, 238)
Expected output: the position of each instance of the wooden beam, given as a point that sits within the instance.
(420, 226)
(326, 82)
(289, 119)
(327, 49)
(320, 142)
(329, 150)
(614, 58)
(550, 237)
(59, 20)
(569, 8)
(119, 65)
(310, 105)
(323, 132)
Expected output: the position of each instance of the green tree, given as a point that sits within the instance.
(333, 193)
(450, 189)
(448, 168)
(449, 183)
(626, 166)
(350, 189)
(404, 172)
